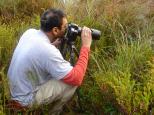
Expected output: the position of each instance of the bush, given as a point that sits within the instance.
(120, 72)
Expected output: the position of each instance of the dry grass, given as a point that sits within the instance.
(120, 76)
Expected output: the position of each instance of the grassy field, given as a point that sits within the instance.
(120, 76)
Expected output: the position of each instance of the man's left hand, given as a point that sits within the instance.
(57, 42)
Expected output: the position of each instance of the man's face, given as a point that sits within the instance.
(64, 26)
(62, 30)
(59, 32)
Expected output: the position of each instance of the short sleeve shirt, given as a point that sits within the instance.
(34, 62)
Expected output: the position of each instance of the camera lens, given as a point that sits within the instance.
(95, 33)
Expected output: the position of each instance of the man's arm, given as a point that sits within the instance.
(75, 76)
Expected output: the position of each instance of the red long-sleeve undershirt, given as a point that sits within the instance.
(75, 77)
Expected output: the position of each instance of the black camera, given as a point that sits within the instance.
(74, 30)
(68, 42)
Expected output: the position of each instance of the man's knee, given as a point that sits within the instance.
(68, 93)
(54, 90)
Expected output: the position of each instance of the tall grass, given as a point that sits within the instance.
(120, 74)
(120, 61)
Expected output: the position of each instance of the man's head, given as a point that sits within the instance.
(54, 23)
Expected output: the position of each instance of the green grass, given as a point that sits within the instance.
(120, 74)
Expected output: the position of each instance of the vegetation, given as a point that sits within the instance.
(120, 76)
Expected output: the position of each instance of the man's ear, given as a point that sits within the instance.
(55, 31)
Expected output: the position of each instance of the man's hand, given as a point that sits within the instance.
(86, 37)
(57, 42)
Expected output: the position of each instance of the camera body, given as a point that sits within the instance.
(68, 42)
(74, 30)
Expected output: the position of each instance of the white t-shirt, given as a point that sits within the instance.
(34, 62)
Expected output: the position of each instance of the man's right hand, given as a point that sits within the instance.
(86, 37)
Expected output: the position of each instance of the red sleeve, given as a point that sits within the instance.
(76, 75)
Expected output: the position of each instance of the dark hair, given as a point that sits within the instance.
(51, 18)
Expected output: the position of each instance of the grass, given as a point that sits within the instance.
(121, 71)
